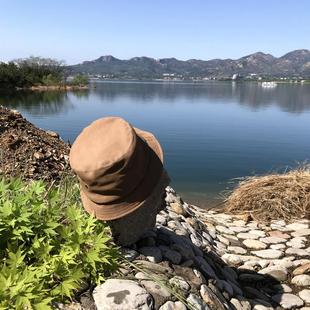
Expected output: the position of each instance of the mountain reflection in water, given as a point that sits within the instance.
(211, 132)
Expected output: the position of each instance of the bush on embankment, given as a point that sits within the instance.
(23, 73)
(273, 197)
(49, 247)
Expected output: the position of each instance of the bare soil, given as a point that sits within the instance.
(29, 152)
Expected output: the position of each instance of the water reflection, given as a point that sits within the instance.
(211, 132)
(289, 98)
(41, 102)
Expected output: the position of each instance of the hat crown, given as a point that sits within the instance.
(102, 144)
(118, 166)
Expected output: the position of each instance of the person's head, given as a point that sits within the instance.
(119, 168)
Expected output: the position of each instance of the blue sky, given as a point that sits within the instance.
(83, 30)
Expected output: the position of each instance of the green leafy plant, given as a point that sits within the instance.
(49, 247)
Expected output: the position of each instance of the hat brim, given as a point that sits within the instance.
(138, 196)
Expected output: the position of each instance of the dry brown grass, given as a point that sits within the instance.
(275, 196)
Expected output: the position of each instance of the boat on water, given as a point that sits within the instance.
(269, 84)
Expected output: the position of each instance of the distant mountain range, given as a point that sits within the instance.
(295, 63)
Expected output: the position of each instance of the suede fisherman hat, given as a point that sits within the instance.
(118, 167)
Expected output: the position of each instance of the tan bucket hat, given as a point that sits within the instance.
(118, 166)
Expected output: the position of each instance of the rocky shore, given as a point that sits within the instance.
(192, 259)
(196, 259)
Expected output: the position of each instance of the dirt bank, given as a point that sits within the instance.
(30, 152)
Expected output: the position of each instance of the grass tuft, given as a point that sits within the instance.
(273, 197)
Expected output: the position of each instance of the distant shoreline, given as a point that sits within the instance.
(199, 81)
(54, 87)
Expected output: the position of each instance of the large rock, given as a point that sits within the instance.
(210, 298)
(268, 253)
(297, 226)
(301, 280)
(296, 251)
(288, 301)
(305, 295)
(301, 232)
(305, 268)
(254, 244)
(170, 305)
(273, 240)
(196, 303)
(117, 294)
(277, 272)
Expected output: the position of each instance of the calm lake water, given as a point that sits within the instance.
(211, 132)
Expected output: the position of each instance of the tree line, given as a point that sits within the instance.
(35, 71)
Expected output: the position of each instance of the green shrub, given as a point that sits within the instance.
(49, 246)
(79, 80)
(50, 80)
